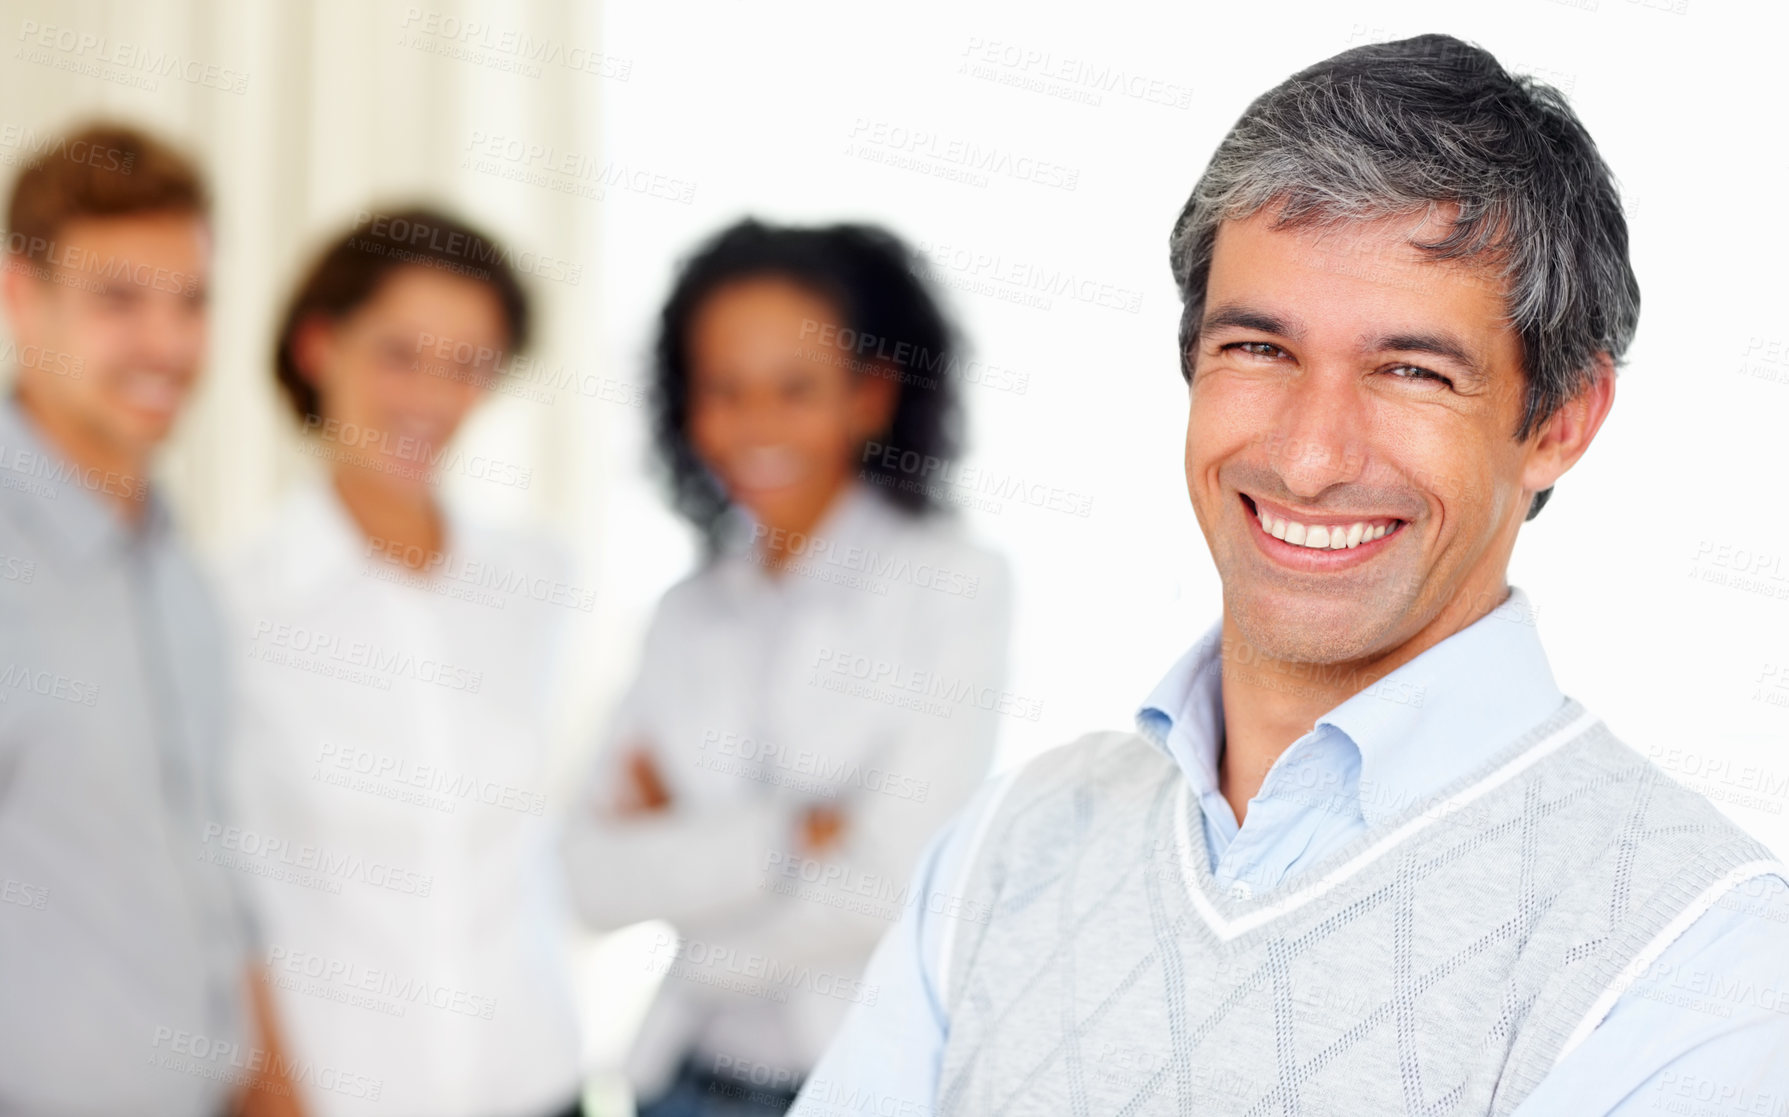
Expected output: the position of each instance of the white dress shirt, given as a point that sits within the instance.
(389, 768)
(866, 676)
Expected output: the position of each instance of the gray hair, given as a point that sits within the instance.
(1399, 128)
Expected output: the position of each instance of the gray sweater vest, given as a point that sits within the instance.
(1440, 964)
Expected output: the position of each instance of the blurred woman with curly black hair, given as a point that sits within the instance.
(823, 692)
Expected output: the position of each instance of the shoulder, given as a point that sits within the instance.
(1095, 767)
(701, 593)
(1655, 793)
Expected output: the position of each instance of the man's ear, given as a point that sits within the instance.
(23, 297)
(875, 396)
(1567, 434)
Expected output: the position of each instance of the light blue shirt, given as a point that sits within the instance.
(1703, 1029)
(123, 938)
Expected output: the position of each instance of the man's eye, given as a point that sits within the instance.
(1257, 348)
(1417, 372)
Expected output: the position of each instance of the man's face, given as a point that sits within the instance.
(1362, 397)
(118, 314)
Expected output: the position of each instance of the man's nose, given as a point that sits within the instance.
(173, 336)
(1319, 434)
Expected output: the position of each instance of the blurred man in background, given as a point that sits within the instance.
(123, 949)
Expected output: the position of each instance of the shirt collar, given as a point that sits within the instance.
(1418, 729)
(84, 519)
(320, 546)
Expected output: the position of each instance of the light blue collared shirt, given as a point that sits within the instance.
(123, 943)
(1705, 1028)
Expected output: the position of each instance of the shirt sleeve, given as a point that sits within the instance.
(674, 864)
(886, 1057)
(679, 864)
(1705, 1029)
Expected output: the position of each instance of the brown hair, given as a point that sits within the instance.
(98, 170)
(351, 269)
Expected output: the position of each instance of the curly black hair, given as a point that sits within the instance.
(888, 319)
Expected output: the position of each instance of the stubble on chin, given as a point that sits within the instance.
(1270, 628)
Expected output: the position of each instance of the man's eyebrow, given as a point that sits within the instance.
(1234, 316)
(1440, 344)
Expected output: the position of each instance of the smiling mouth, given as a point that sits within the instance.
(1327, 533)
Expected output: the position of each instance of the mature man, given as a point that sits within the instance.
(123, 952)
(1361, 855)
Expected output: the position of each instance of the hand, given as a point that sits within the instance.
(821, 827)
(270, 1092)
(645, 789)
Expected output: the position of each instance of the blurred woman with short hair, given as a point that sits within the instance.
(393, 744)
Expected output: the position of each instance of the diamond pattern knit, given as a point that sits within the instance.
(1438, 965)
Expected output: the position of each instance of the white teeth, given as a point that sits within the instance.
(1321, 537)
